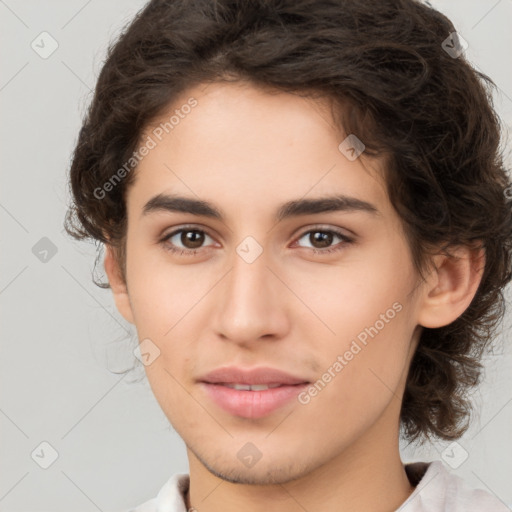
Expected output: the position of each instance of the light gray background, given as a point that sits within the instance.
(61, 335)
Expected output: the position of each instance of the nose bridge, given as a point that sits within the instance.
(249, 307)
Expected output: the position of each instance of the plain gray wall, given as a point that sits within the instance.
(62, 337)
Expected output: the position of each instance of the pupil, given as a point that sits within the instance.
(325, 239)
(192, 239)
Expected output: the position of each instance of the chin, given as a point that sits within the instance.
(263, 472)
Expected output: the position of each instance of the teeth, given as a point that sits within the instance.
(255, 387)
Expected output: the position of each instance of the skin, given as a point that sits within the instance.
(248, 151)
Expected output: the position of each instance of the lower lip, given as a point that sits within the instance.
(251, 404)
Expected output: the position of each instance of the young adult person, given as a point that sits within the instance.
(306, 219)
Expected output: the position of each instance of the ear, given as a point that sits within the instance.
(451, 286)
(117, 284)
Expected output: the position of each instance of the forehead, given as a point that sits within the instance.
(250, 146)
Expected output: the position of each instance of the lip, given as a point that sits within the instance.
(259, 375)
(251, 404)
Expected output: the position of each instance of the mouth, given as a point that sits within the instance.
(250, 387)
(251, 400)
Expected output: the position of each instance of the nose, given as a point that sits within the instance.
(253, 302)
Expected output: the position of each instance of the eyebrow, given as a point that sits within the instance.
(175, 203)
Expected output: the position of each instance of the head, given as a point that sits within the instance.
(250, 107)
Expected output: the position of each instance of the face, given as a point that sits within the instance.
(323, 294)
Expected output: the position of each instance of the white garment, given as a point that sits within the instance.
(436, 490)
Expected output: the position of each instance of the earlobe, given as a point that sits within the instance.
(118, 285)
(451, 286)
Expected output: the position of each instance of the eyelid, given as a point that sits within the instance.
(326, 227)
(186, 227)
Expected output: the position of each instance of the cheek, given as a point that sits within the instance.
(358, 378)
(164, 302)
(363, 315)
(366, 289)
(164, 293)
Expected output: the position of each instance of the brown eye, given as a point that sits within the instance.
(192, 239)
(185, 240)
(321, 240)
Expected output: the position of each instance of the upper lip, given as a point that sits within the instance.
(260, 375)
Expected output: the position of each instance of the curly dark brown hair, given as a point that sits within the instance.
(385, 64)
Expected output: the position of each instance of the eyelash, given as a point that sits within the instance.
(191, 252)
